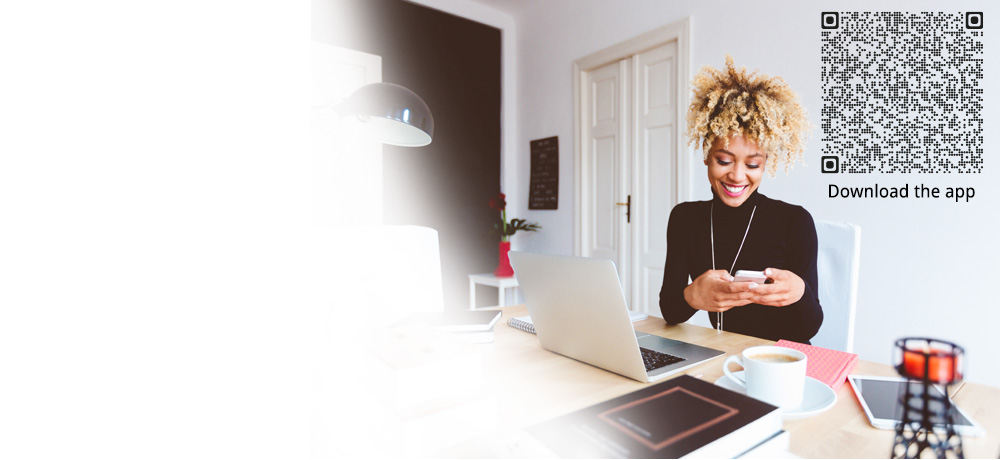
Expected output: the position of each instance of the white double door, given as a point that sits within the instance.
(629, 117)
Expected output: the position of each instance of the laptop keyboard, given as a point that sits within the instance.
(655, 360)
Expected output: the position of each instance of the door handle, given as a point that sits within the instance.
(628, 209)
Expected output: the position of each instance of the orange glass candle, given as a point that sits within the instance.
(941, 368)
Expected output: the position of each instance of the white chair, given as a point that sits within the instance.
(837, 265)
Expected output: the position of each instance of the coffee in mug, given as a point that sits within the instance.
(775, 375)
(774, 358)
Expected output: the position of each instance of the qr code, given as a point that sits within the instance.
(902, 92)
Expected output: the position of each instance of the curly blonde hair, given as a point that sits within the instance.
(760, 108)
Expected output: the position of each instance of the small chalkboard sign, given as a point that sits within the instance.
(544, 183)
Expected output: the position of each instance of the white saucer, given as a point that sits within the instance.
(816, 399)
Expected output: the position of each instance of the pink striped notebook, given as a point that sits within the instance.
(828, 366)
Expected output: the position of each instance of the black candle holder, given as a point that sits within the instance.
(927, 425)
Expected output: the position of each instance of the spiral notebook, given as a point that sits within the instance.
(523, 323)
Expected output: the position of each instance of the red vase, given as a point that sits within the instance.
(504, 268)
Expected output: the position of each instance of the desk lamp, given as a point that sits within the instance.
(407, 256)
(388, 113)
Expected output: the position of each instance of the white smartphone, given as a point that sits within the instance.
(743, 276)
(879, 397)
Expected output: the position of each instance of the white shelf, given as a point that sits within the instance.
(488, 279)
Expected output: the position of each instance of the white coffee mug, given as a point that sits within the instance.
(775, 375)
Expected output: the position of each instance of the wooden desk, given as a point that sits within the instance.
(534, 385)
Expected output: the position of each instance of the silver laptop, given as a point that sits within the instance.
(578, 309)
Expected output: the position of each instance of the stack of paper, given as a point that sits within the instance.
(828, 366)
(474, 326)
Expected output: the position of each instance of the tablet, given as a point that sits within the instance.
(879, 397)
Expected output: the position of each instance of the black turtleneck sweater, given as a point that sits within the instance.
(781, 236)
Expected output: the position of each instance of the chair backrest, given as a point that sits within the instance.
(838, 263)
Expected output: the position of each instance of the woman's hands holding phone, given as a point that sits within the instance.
(785, 288)
(715, 291)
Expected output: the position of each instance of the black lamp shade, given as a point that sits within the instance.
(390, 114)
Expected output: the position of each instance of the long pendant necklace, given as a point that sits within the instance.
(711, 223)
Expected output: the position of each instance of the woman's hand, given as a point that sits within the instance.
(715, 291)
(787, 288)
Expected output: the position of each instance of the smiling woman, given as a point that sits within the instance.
(745, 123)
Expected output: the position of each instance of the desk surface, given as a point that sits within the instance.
(535, 385)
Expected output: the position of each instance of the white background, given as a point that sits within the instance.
(154, 210)
(928, 267)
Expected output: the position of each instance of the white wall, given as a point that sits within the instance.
(928, 267)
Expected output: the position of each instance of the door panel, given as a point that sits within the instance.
(603, 134)
(656, 164)
(659, 92)
(605, 236)
(604, 97)
(655, 192)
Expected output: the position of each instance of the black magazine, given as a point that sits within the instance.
(681, 417)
